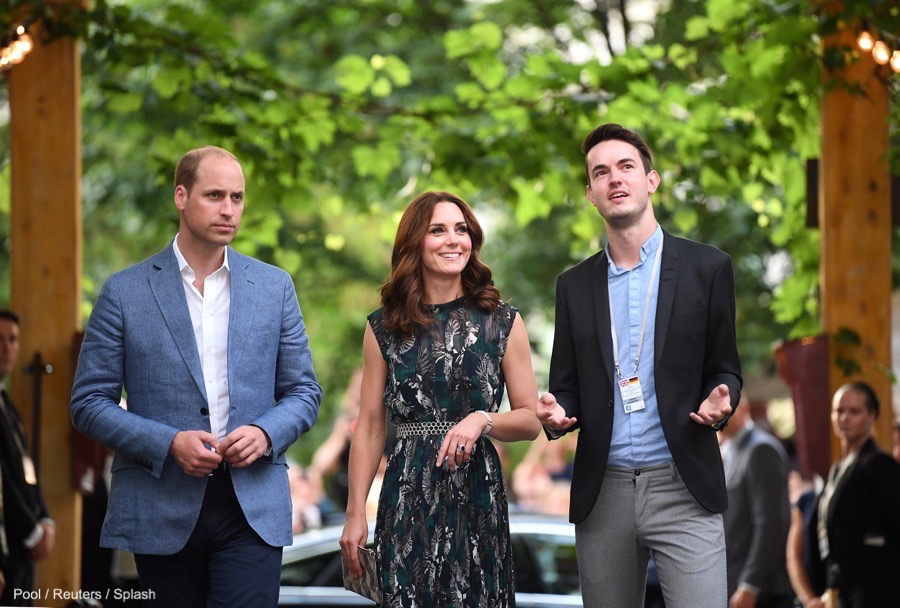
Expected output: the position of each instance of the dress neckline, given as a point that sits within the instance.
(445, 306)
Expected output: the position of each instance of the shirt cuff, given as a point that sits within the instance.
(553, 433)
(748, 587)
(35, 537)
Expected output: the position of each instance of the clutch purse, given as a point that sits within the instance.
(368, 584)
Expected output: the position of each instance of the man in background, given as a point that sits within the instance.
(30, 533)
(758, 514)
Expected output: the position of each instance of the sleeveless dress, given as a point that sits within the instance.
(441, 536)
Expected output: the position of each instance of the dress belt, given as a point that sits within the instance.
(412, 429)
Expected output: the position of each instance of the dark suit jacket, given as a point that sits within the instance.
(863, 522)
(23, 503)
(695, 350)
(758, 514)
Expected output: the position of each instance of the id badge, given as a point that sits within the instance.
(632, 396)
(28, 467)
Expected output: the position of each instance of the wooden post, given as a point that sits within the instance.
(855, 220)
(45, 126)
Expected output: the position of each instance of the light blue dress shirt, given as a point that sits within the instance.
(637, 438)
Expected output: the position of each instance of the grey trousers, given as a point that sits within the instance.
(647, 512)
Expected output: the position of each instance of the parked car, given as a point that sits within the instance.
(543, 550)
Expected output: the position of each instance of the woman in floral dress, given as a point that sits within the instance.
(437, 356)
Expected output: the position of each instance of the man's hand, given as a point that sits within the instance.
(552, 415)
(714, 408)
(45, 545)
(244, 445)
(742, 598)
(195, 452)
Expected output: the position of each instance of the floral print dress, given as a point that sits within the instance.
(441, 536)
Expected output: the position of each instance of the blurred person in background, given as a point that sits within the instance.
(758, 514)
(30, 532)
(856, 523)
(332, 458)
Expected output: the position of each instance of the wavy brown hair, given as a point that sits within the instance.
(403, 295)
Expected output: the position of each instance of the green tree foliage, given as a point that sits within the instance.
(343, 110)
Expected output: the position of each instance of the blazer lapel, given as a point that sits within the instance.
(668, 275)
(168, 289)
(847, 474)
(243, 303)
(600, 292)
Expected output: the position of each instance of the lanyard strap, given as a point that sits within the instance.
(612, 320)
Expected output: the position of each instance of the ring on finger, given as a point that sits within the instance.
(462, 447)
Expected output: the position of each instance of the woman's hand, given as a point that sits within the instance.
(459, 442)
(355, 535)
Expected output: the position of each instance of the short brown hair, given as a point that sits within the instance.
(403, 295)
(186, 169)
(610, 131)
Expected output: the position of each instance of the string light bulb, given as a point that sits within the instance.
(15, 47)
(881, 53)
(895, 61)
(865, 41)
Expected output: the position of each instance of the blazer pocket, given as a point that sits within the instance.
(688, 317)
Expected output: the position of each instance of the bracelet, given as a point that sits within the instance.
(490, 422)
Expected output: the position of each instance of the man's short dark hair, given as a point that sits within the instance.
(186, 169)
(9, 316)
(610, 131)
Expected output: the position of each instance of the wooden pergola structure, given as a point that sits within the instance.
(854, 217)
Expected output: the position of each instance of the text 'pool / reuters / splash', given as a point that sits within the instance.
(122, 595)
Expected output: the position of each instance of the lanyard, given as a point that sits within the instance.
(612, 320)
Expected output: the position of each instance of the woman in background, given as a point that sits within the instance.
(855, 531)
(437, 356)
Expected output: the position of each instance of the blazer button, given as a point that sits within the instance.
(609, 403)
(204, 411)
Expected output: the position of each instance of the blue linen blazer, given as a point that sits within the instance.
(140, 338)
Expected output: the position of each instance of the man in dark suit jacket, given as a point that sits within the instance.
(758, 514)
(212, 350)
(645, 364)
(30, 533)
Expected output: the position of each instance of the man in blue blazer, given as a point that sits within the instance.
(645, 365)
(212, 352)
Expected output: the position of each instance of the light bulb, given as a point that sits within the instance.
(25, 43)
(865, 41)
(895, 61)
(881, 53)
(20, 30)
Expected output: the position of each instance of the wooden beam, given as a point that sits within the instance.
(855, 219)
(45, 129)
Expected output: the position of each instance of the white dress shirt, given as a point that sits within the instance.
(209, 316)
